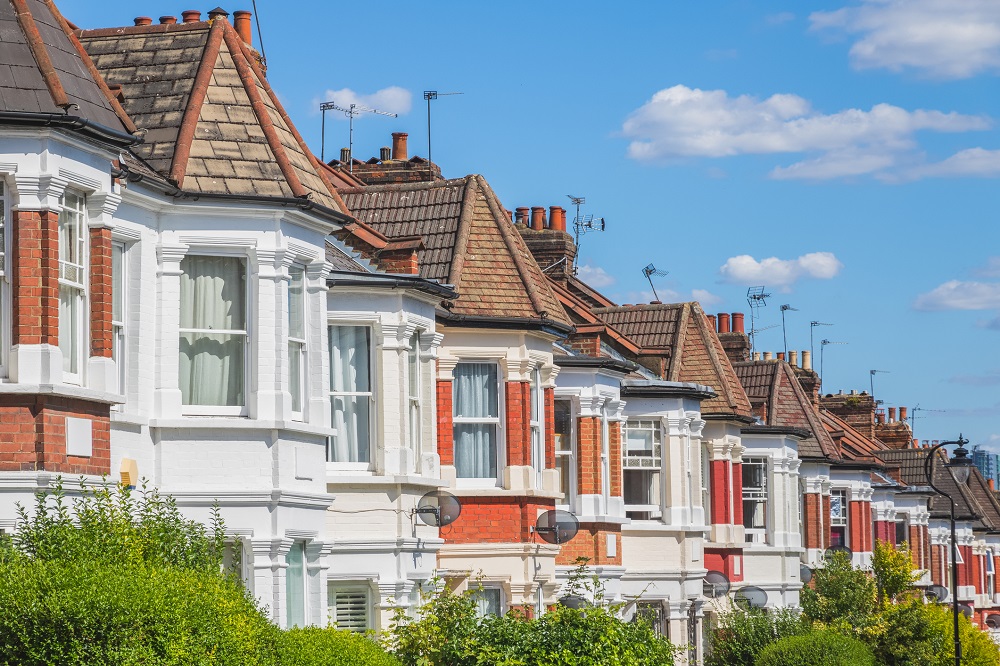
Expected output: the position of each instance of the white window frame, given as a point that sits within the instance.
(335, 589)
(759, 494)
(902, 518)
(479, 595)
(79, 286)
(706, 482)
(297, 346)
(841, 521)
(370, 394)
(536, 415)
(414, 392)
(498, 423)
(301, 546)
(569, 454)
(989, 573)
(226, 410)
(5, 299)
(637, 460)
(119, 338)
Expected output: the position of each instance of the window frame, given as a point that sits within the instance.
(654, 507)
(901, 519)
(839, 524)
(570, 454)
(706, 482)
(119, 327)
(246, 332)
(81, 287)
(298, 348)
(301, 547)
(497, 422)
(414, 393)
(536, 424)
(6, 312)
(371, 394)
(478, 595)
(757, 494)
(335, 588)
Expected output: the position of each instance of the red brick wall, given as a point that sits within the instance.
(859, 524)
(550, 428)
(615, 455)
(720, 509)
(724, 560)
(35, 267)
(100, 293)
(813, 522)
(518, 414)
(885, 530)
(33, 435)
(445, 434)
(588, 447)
(589, 344)
(824, 516)
(926, 537)
(591, 543)
(737, 491)
(937, 565)
(496, 520)
(965, 567)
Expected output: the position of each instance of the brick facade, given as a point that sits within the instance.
(721, 492)
(615, 454)
(33, 435)
(725, 560)
(518, 413)
(445, 433)
(496, 520)
(35, 259)
(816, 521)
(588, 444)
(860, 526)
(100, 293)
(591, 542)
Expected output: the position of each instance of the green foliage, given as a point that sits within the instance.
(441, 632)
(892, 569)
(312, 646)
(742, 633)
(817, 648)
(842, 595)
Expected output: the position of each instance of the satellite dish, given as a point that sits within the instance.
(838, 549)
(575, 602)
(716, 585)
(556, 526)
(993, 621)
(936, 593)
(438, 508)
(805, 574)
(750, 596)
(966, 610)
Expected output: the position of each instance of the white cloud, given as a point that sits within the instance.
(392, 100)
(972, 162)
(991, 269)
(990, 378)
(958, 295)
(680, 122)
(595, 276)
(781, 273)
(951, 39)
(705, 297)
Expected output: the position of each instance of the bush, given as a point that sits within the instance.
(330, 647)
(841, 595)
(741, 634)
(817, 648)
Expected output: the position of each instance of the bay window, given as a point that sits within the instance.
(297, 338)
(838, 518)
(213, 334)
(476, 422)
(413, 390)
(118, 311)
(565, 450)
(72, 284)
(641, 469)
(537, 425)
(755, 496)
(295, 585)
(350, 394)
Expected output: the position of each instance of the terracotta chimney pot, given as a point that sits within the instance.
(724, 322)
(880, 417)
(538, 218)
(562, 219)
(892, 414)
(217, 13)
(241, 21)
(521, 215)
(168, 20)
(902, 413)
(738, 322)
(143, 20)
(191, 16)
(713, 322)
(399, 146)
(807, 361)
(345, 155)
(554, 218)
(781, 356)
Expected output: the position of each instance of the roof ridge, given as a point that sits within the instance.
(677, 359)
(719, 362)
(407, 187)
(464, 230)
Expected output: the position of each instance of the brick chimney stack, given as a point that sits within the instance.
(550, 244)
(732, 336)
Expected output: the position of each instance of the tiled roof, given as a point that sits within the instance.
(468, 241)
(212, 123)
(773, 388)
(695, 354)
(43, 69)
(851, 443)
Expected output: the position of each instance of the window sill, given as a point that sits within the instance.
(62, 391)
(340, 478)
(239, 423)
(503, 492)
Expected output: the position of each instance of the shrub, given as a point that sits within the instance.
(741, 634)
(841, 595)
(817, 648)
(330, 647)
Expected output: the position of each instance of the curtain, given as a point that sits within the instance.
(295, 585)
(476, 396)
(350, 367)
(213, 297)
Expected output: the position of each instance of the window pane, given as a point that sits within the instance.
(487, 601)
(295, 374)
(413, 361)
(69, 328)
(536, 397)
(213, 294)
(641, 486)
(117, 284)
(640, 441)
(564, 425)
(476, 450)
(296, 303)
(754, 514)
(351, 415)
(476, 390)
(295, 585)
(211, 371)
(349, 359)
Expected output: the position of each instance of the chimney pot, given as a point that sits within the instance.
(218, 12)
(538, 218)
(892, 414)
(143, 20)
(168, 20)
(916, 443)
(768, 356)
(854, 392)
(713, 322)
(241, 21)
(756, 356)
(902, 413)
(558, 219)
(993, 485)
(521, 215)
(724, 322)
(191, 16)
(880, 417)
(384, 154)
(807, 361)
(793, 358)
(781, 356)
(738, 323)
(345, 155)
(399, 146)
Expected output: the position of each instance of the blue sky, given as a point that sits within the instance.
(845, 155)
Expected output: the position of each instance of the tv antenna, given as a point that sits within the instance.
(812, 327)
(757, 299)
(432, 95)
(350, 111)
(784, 336)
(822, 346)
(649, 271)
(755, 331)
(871, 378)
(583, 225)
(913, 416)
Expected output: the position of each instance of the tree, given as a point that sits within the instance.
(892, 569)
(841, 595)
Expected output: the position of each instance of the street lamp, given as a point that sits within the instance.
(960, 467)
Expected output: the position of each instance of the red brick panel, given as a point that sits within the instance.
(926, 535)
(100, 293)
(824, 517)
(496, 520)
(615, 455)
(937, 565)
(725, 560)
(518, 423)
(588, 447)
(588, 344)
(720, 489)
(445, 434)
(591, 543)
(916, 547)
(885, 530)
(550, 428)
(33, 435)
(965, 567)
(737, 492)
(36, 278)
(977, 568)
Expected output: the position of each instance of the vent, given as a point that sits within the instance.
(350, 609)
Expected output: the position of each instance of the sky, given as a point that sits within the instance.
(843, 155)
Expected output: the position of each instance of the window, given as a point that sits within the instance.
(476, 398)
(901, 530)
(537, 426)
(641, 469)
(213, 333)
(350, 394)
(706, 483)
(413, 397)
(838, 518)
(489, 601)
(4, 315)
(565, 458)
(755, 499)
(349, 608)
(990, 574)
(297, 338)
(651, 612)
(295, 585)
(118, 311)
(72, 285)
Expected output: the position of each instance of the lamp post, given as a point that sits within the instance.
(960, 466)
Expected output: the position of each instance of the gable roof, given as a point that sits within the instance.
(212, 123)
(851, 443)
(468, 242)
(776, 394)
(44, 70)
(694, 351)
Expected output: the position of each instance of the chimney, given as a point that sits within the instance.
(793, 359)
(712, 322)
(892, 414)
(191, 16)
(538, 218)
(768, 356)
(724, 322)
(521, 215)
(384, 154)
(993, 485)
(168, 20)
(738, 322)
(916, 443)
(756, 356)
(241, 21)
(143, 20)
(879, 417)
(781, 356)
(554, 219)
(399, 145)
(217, 13)
(345, 155)
(807, 361)
(902, 414)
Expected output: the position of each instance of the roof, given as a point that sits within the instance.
(852, 444)
(212, 123)
(468, 241)
(777, 396)
(694, 351)
(44, 70)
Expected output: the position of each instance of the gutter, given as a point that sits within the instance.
(72, 123)
(389, 281)
(599, 362)
(546, 325)
(797, 433)
(646, 388)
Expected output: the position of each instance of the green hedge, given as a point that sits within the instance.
(818, 648)
(330, 647)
